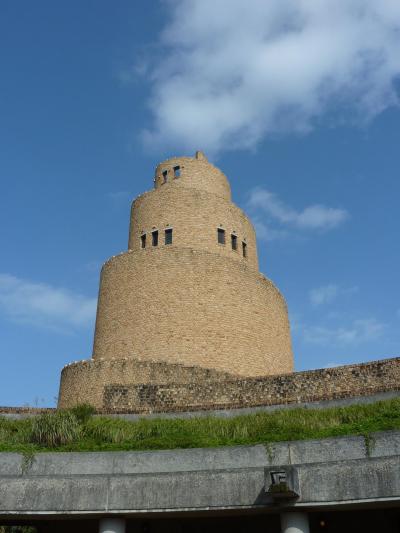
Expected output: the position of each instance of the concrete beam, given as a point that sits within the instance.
(340, 471)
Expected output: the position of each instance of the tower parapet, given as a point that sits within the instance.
(194, 173)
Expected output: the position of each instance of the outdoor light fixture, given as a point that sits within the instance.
(280, 484)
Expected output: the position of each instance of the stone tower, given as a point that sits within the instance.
(186, 296)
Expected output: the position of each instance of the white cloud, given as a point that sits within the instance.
(331, 364)
(323, 295)
(359, 331)
(267, 233)
(320, 216)
(314, 217)
(326, 294)
(232, 72)
(43, 305)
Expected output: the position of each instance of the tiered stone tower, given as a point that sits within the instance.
(186, 302)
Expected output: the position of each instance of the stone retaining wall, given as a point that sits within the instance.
(85, 381)
(310, 386)
(4, 411)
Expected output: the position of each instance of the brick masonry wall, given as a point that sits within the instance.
(194, 216)
(196, 173)
(191, 307)
(300, 387)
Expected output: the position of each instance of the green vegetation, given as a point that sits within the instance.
(77, 430)
(17, 529)
(56, 429)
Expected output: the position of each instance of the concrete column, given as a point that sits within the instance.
(112, 525)
(294, 523)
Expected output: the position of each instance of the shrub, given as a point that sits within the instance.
(17, 529)
(15, 431)
(83, 412)
(118, 431)
(55, 429)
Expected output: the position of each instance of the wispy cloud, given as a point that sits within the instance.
(359, 331)
(312, 217)
(266, 232)
(232, 72)
(331, 364)
(265, 204)
(326, 294)
(42, 305)
(323, 295)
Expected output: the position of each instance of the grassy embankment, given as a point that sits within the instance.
(17, 529)
(78, 430)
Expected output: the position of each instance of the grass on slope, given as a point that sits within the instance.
(78, 430)
(17, 529)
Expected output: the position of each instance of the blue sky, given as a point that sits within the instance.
(297, 102)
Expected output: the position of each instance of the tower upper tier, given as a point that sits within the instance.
(195, 173)
(191, 202)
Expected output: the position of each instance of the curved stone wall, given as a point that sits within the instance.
(180, 305)
(86, 381)
(129, 386)
(194, 216)
(351, 381)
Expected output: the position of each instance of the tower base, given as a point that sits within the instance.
(132, 386)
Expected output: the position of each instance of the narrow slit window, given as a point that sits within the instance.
(154, 237)
(165, 176)
(177, 172)
(244, 248)
(234, 241)
(143, 240)
(168, 236)
(221, 236)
